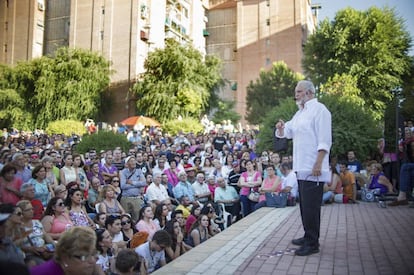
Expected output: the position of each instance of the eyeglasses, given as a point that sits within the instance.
(115, 180)
(60, 204)
(19, 214)
(125, 222)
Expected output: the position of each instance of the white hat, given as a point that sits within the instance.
(128, 158)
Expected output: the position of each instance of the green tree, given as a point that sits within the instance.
(103, 140)
(225, 111)
(268, 90)
(370, 45)
(66, 127)
(66, 86)
(177, 82)
(11, 103)
(185, 125)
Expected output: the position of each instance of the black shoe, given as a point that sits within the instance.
(300, 241)
(306, 250)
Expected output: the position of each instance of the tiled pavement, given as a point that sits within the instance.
(355, 239)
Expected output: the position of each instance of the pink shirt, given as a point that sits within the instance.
(7, 196)
(150, 228)
(268, 183)
(246, 190)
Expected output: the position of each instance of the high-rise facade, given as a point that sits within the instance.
(21, 30)
(249, 35)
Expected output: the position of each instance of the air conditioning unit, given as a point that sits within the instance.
(144, 35)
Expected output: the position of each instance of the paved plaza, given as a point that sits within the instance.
(355, 239)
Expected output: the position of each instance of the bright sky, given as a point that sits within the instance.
(404, 9)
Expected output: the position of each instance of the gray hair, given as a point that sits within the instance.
(307, 85)
(47, 159)
(24, 186)
(182, 173)
(16, 155)
(156, 174)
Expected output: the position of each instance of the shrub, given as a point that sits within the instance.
(185, 125)
(103, 140)
(66, 127)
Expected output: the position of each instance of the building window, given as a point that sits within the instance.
(268, 61)
(268, 22)
(5, 48)
(267, 42)
(6, 26)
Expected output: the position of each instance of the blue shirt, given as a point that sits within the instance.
(138, 180)
(183, 188)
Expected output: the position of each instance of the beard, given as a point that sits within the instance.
(301, 102)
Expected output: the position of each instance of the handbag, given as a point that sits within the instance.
(369, 195)
(253, 195)
(276, 200)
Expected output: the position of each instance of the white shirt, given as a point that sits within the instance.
(311, 131)
(201, 189)
(155, 192)
(152, 258)
(291, 181)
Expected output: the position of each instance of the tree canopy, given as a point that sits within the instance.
(45, 89)
(177, 82)
(271, 86)
(370, 45)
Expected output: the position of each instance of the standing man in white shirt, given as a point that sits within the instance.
(311, 131)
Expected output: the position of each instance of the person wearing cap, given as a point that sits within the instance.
(132, 185)
(191, 174)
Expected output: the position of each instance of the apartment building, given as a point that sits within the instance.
(123, 31)
(21, 30)
(249, 35)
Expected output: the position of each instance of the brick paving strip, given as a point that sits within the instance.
(355, 239)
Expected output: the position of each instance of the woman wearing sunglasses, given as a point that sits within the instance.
(126, 227)
(55, 219)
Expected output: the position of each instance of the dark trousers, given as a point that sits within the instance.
(310, 195)
(248, 205)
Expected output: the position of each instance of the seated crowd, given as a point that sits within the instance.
(151, 204)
